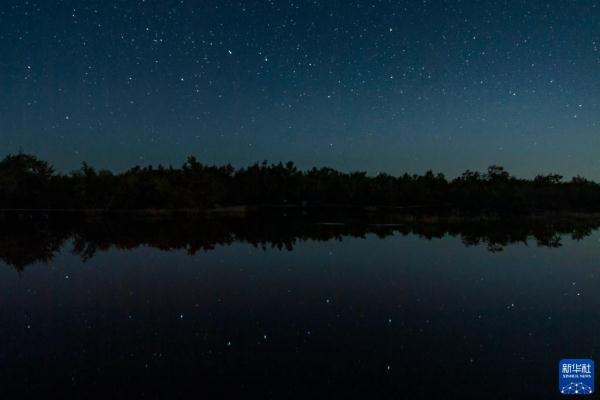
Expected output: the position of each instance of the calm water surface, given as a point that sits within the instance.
(377, 316)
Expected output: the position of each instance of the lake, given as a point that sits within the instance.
(295, 307)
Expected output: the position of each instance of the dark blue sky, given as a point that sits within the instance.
(357, 85)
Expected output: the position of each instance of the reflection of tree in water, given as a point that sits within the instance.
(499, 236)
(25, 241)
(29, 242)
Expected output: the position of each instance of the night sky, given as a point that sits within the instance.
(357, 85)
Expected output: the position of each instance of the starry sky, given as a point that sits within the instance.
(357, 85)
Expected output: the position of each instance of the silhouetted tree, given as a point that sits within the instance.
(24, 182)
(27, 182)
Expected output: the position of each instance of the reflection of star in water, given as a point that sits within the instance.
(576, 388)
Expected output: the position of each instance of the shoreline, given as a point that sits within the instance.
(401, 214)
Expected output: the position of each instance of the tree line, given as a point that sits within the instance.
(27, 182)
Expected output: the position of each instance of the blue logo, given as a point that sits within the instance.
(576, 376)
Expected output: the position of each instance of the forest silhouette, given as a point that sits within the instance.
(27, 182)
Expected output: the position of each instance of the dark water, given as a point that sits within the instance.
(174, 309)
